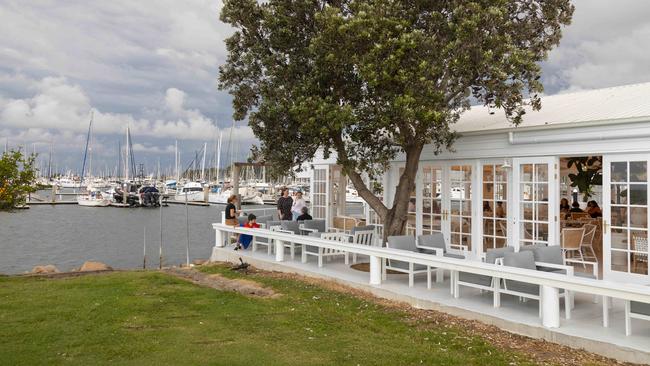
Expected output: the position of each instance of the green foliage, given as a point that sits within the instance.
(589, 174)
(17, 176)
(373, 79)
(149, 318)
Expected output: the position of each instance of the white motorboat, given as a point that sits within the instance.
(191, 191)
(94, 197)
(249, 196)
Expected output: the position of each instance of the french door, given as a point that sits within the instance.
(625, 218)
(495, 185)
(535, 196)
(445, 192)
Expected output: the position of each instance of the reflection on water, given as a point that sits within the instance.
(68, 235)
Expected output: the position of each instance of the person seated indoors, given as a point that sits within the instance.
(575, 207)
(594, 210)
(564, 206)
(305, 215)
(245, 239)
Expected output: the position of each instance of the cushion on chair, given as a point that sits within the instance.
(318, 225)
(436, 240)
(405, 265)
(640, 308)
(293, 226)
(476, 279)
(264, 219)
(552, 254)
(493, 254)
(272, 223)
(403, 242)
(525, 260)
(531, 247)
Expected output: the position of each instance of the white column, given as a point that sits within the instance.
(418, 201)
(279, 250)
(550, 303)
(218, 238)
(375, 270)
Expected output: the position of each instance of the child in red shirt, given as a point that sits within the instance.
(245, 240)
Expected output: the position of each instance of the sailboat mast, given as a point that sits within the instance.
(219, 155)
(176, 159)
(126, 162)
(205, 148)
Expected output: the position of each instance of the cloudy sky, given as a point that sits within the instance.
(153, 65)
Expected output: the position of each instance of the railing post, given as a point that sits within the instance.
(550, 303)
(279, 250)
(375, 270)
(218, 238)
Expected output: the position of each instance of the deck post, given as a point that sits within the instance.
(550, 303)
(279, 250)
(218, 239)
(375, 270)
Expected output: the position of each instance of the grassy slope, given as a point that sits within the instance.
(145, 318)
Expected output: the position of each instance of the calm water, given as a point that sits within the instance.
(68, 235)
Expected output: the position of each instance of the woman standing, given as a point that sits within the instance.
(298, 204)
(284, 205)
(231, 211)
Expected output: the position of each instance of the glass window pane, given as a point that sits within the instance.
(500, 191)
(526, 173)
(639, 217)
(620, 261)
(527, 192)
(619, 239)
(542, 211)
(638, 171)
(542, 232)
(639, 263)
(501, 209)
(488, 191)
(488, 210)
(541, 172)
(619, 216)
(619, 171)
(527, 210)
(619, 194)
(541, 193)
(638, 194)
(488, 173)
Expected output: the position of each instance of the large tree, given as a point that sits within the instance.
(17, 177)
(375, 79)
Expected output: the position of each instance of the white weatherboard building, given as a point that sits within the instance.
(501, 188)
(520, 174)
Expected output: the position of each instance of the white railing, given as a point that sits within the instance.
(550, 282)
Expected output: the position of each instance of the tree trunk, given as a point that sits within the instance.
(396, 217)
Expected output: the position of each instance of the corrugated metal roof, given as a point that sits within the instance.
(609, 104)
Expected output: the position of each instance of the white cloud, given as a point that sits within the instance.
(62, 106)
(606, 45)
(175, 99)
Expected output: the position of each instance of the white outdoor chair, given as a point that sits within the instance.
(588, 242)
(321, 252)
(362, 237)
(405, 242)
(636, 310)
(526, 259)
(481, 282)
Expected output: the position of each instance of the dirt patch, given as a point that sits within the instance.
(218, 282)
(540, 351)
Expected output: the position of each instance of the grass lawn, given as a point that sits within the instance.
(151, 318)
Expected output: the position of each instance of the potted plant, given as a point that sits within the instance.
(588, 174)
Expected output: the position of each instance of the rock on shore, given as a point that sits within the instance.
(90, 266)
(45, 269)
